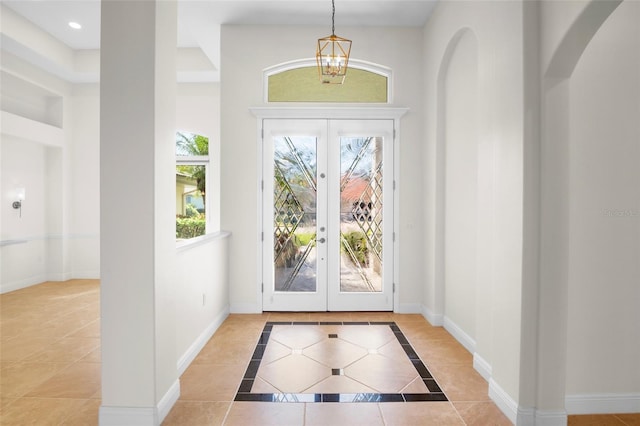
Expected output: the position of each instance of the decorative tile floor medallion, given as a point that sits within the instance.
(336, 362)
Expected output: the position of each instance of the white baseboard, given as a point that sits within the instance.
(434, 319)
(603, 403)
(140, 416)
(85, 275)
(409, 308)
(59, 276)
(187, 358)
(550, 418)
(482, 366)
(168, 400)
(521, 416)
(245, 308)
(18, 285)
(128, 416)
(39, 279)
(465, 340)
(505, 403)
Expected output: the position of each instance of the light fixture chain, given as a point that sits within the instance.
(333, 17)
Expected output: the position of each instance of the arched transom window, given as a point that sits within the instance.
(298, 81)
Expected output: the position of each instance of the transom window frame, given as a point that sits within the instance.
(311, 62)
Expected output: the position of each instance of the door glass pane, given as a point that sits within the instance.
(294, 204)
(361, 214)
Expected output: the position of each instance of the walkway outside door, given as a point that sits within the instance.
(327, 215)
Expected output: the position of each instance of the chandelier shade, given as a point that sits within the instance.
(332, 55)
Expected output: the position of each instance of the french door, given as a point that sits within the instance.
(327, 215)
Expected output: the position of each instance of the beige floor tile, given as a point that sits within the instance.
(408, 318)
(20, 325)
(260, 386)
(340, 384)
(79, 380)
(197, 413)
(90, 330)
(371, 316)
(415, 330)
(86, 415)
(330, 316)
(393, 350)
(420, 413)
(232, 352)
(93, 356)
(285, 374)
(64, 318)
(364, 414)
(246, 318)
(416, 386)
(481, 414)
(630, 419)
(333, 328)
(19, 348)
(382, 373)
(61, 327)
(274, 352)
(68, 349)
(441, 352)
(248, 331)
(297, 336)
(370, 337)
(289, 316)
(460, 382)
(265, 414)
(335, 353)
(16, 379)
(594, 420)
(39, 411)
(4, 403)
(211, 382)
(82, 316)
(97, 395)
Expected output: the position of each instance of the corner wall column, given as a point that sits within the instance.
(137, 205)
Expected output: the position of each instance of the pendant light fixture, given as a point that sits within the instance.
(332, 55)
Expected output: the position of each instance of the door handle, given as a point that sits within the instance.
(322, 240)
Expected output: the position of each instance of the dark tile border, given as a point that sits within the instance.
(244, 391)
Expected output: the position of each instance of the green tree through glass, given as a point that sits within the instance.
(193, 145)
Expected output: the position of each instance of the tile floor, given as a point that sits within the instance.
(50, 370)
(342, 361)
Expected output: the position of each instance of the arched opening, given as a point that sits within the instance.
(604, 216)
(457, 162)
(586, 95)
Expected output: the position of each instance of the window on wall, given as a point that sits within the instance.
(192, 164)
(297, 81)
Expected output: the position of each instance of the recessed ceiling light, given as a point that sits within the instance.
(75, 25)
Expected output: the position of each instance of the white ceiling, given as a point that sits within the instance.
(199, 20)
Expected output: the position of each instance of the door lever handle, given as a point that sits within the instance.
(322, 240)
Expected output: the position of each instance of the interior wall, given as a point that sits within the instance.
(33, 247)
(604, 239)
(246, 52)
(71, 237)
(25, 233)
(461, 179)
(498, 172)
(83, 210)
(202, 301)
(572, 202)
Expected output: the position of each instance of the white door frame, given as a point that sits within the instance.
(329, 113)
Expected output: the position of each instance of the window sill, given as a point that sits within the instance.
(203, 239)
